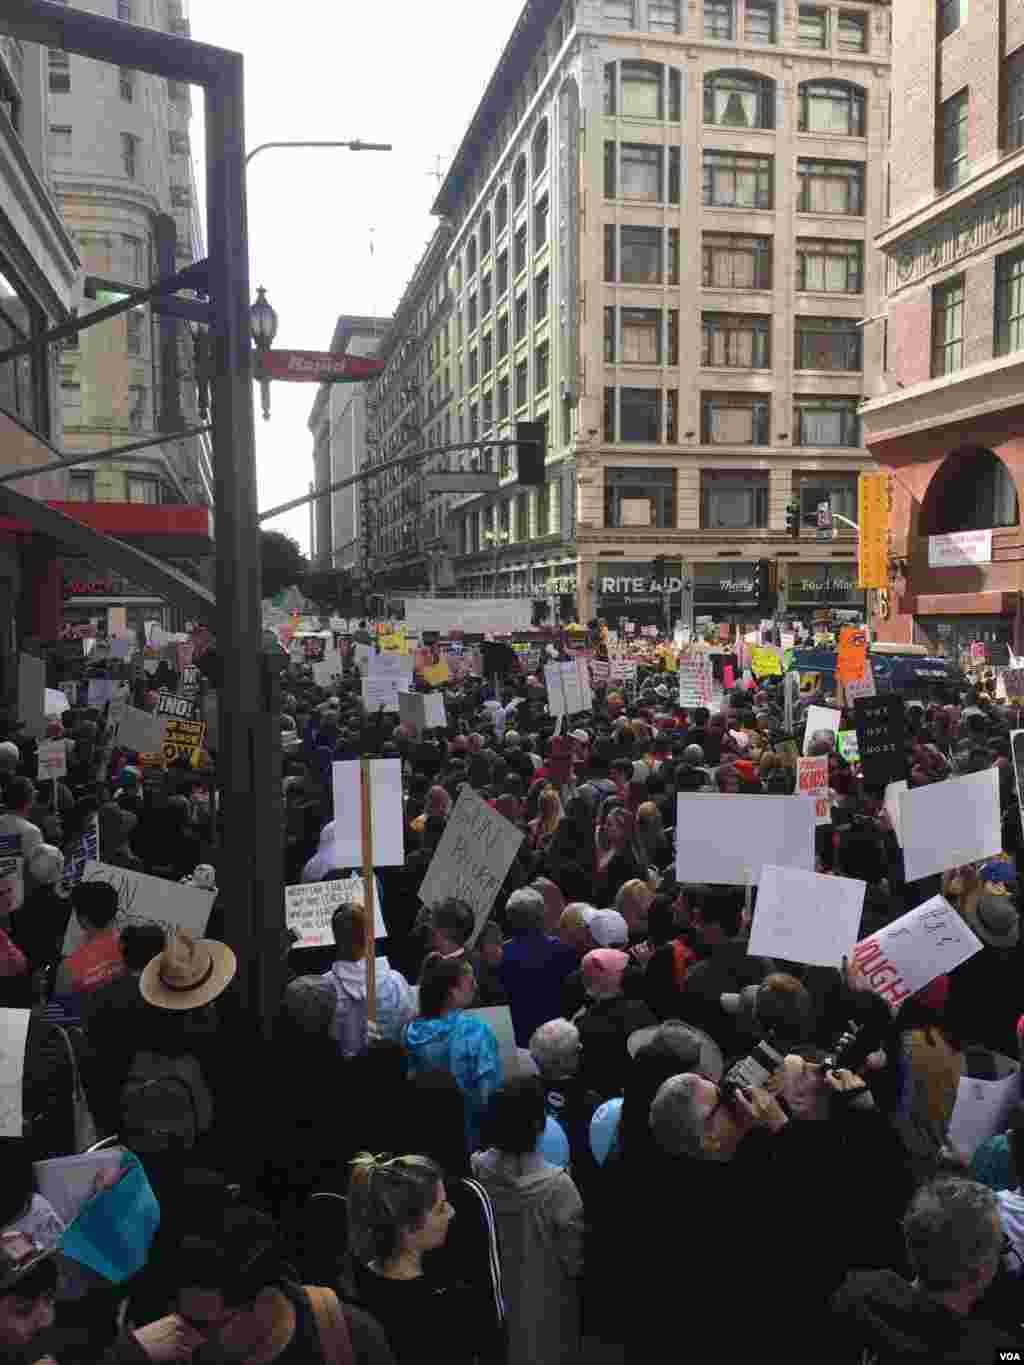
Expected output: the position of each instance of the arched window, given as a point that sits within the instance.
(519, 182)
(832, 107)
(540, 149)
(501, 211)
(470, 258)
(642, 90)
(739, 99)
(485, 234)
(972, 491)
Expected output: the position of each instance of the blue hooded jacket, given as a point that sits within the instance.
(464, 1045)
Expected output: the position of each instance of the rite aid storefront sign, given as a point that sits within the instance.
(959, 549)
(628, 589)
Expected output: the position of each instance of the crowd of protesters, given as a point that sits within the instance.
(396, 1184)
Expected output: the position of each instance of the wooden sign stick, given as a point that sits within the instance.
(368, 892)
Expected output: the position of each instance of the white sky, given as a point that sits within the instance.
(406, 73)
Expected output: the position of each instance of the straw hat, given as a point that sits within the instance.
(188, 973)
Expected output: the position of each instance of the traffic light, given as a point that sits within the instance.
(531, 452)
(793, 520)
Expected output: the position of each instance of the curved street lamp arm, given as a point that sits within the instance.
(354, 146)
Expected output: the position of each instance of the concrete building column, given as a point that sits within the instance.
(42, 596)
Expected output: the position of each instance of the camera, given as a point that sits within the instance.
(756, 1069)
(853, 1047)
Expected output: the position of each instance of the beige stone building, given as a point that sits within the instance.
(655, 239)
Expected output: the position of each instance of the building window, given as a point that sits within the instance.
(829, 267)
(952, 14)
(474, 421)
(718, 20)
(948, 327)
(129, 155)
(485, 234)
(736, 341)
(143, 490)
(737, 99)
(486, 296)
(832, 107)
(641, 337)
(640, 176)
(133, 335)
(136, 407)
(502, 398)
(760, 22)
(953, 151)
(641, 255)
(487, 354)
(487, 405)
(502, 269)
(541, 377)
(60, 140)
(733, 500)
(522, 311)
(1014, 81)
(825, 422)
(522, 384)
(503, 336)
(71, 396)
(736, 262)
(519, 251)
(617, 13)
(126, 84)
(471, 314)
(830, 187)
(737, 180)
(640, 415)
(1010, 303)
(470, 258)
(540, 223)
(474, 367)
(639, 497)
(540, 149)
(827, 344)
(540, 296)
(501, 211)
(663, 16)
(734, 419)
(813, 31)
(838, 490)
(519, 182)
(59, 71)
(81, 487)
(853, 32)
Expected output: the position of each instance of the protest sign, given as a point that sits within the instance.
(425, 710)
(892, 806)
(880, 725)
(386, 813)
(498, 1019)
(183, 738)
(141, 732)
(766, 662)
(308, 909)
(55, 702)
(32, 694)
(12, 873)
(142, 899)
(821, 718)
(52, 760)
(189, 675)
(1013, 681)
(86, 850)
(566, 692)
(805, 917)
(790, 695)
(696, 679)
(473, 858)
(812, 780)
(13, 1036)
(438, 673)
(982, 1110)
(70, 691)
(68, 1182)
(861, 687)
(948, 824)
(916, 948)
(386, 676)
(170, 704)
(846, 743)
(852, 654)
(729, 839)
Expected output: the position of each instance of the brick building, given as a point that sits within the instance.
(948, 421)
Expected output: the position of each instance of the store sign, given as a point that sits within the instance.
(632, 584)
(960, 548)
(88, 587)
(814, 584)
(725, 585)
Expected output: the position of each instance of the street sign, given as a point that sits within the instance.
(316, 367)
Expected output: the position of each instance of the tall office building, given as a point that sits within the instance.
(123, 177)
(657, 242)
(948, 422)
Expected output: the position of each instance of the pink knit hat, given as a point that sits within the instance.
(603, 967)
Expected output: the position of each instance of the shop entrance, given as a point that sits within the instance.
(952, 636)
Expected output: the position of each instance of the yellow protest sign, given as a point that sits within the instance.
(873, 540)
(183, 738)
(437, 673)
(765, 662)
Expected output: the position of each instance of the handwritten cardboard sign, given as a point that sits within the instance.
(142, 900)
(912, 951)
(425, 710)
(183, 708)
(52, 759)
(308, 909)
(696, 679)
(812, 780)
(473, 858)
(386, 676)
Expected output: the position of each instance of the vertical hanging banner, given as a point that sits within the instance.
(873, 540)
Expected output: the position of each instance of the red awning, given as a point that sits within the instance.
(169, 532)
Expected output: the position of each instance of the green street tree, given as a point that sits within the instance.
(284, 564)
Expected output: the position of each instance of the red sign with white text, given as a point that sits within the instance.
(317, 367)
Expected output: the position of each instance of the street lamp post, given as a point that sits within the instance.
(263, 325)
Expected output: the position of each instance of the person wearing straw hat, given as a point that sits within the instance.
(188, 973)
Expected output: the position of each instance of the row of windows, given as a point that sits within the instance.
(953, 147)
(727, 419)
(82, 488)
(748, 21)
(948, 304)
(524, 517)
(735, 500)
(493, 222)
(650, 336)
(732, 99)
(651, 175)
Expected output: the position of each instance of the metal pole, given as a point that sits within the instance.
(354, 146)
(249, 753)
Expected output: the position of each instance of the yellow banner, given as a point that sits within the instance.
(766, 662)
(873, 546)
(437, 673)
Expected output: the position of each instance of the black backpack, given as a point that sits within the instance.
(166, 1105)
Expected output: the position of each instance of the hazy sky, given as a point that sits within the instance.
(406, 73)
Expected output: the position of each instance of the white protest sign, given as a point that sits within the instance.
(67, 1182)
(386, 676)
(142, 899)
(567, 693)
(948, 824)
(473, 858)
(386, 814)
(52, 759)
(12, 869)
(498, 1019)
(812, 780)
(982, 1109)
(56, 702)
(728, 839)
(696, 680)
(893, 793)
(32, 694)
(13, 1035)
(425, 710)
(85, 851)
(139, 731)
(912, 951)
(805, 917)
(309, 906)
(821, 718)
